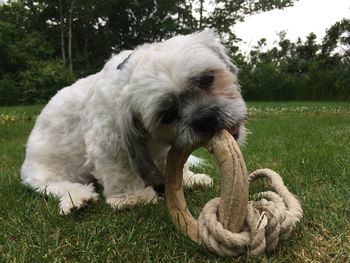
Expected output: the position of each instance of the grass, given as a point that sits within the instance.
(307, 143)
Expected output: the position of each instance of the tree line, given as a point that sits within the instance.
(46, 45)
(304, 70)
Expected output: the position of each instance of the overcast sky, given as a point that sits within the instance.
(299, 20)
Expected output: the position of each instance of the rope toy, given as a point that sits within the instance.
(230, 225)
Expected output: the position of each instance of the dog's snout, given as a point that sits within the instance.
(206, 121)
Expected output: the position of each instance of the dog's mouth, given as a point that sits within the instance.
(234, 131)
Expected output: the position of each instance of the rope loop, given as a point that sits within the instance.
(269, 219)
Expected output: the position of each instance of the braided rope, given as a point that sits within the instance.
(231, 225)
(268, 220)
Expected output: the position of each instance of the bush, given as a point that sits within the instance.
(43, 79)
(9, 91)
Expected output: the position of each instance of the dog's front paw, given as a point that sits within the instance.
(144, 196)
(75, 200)
(192, 179)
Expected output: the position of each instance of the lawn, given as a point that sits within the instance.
(307, 143)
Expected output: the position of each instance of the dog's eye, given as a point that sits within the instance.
(169, 114)
(204, 82)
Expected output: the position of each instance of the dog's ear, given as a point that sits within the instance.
(134, 138)
(211, 39)
(121, 65)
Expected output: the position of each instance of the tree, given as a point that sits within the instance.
(227, 13)
(337, 36)
(304, 70)
(63, 49)
(29, 71)
(42, 42)
(70, 34)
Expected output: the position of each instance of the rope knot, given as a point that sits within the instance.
(232, 225)
(268, 220)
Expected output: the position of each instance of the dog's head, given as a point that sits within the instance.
(181, 91)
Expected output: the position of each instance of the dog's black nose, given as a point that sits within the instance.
(206, 121)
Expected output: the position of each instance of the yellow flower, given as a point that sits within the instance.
(7, 118)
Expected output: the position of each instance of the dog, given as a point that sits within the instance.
(116, 126)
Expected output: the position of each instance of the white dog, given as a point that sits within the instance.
(116, 127)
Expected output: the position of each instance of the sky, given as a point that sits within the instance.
(298, 21)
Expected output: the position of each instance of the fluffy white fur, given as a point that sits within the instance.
(80, 135)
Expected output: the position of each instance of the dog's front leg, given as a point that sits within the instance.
(122, 187)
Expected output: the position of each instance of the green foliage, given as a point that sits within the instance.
(299, 71)
(35, 43)
(29, 71)
(9, 91)
(43, 79)
(35, 84)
